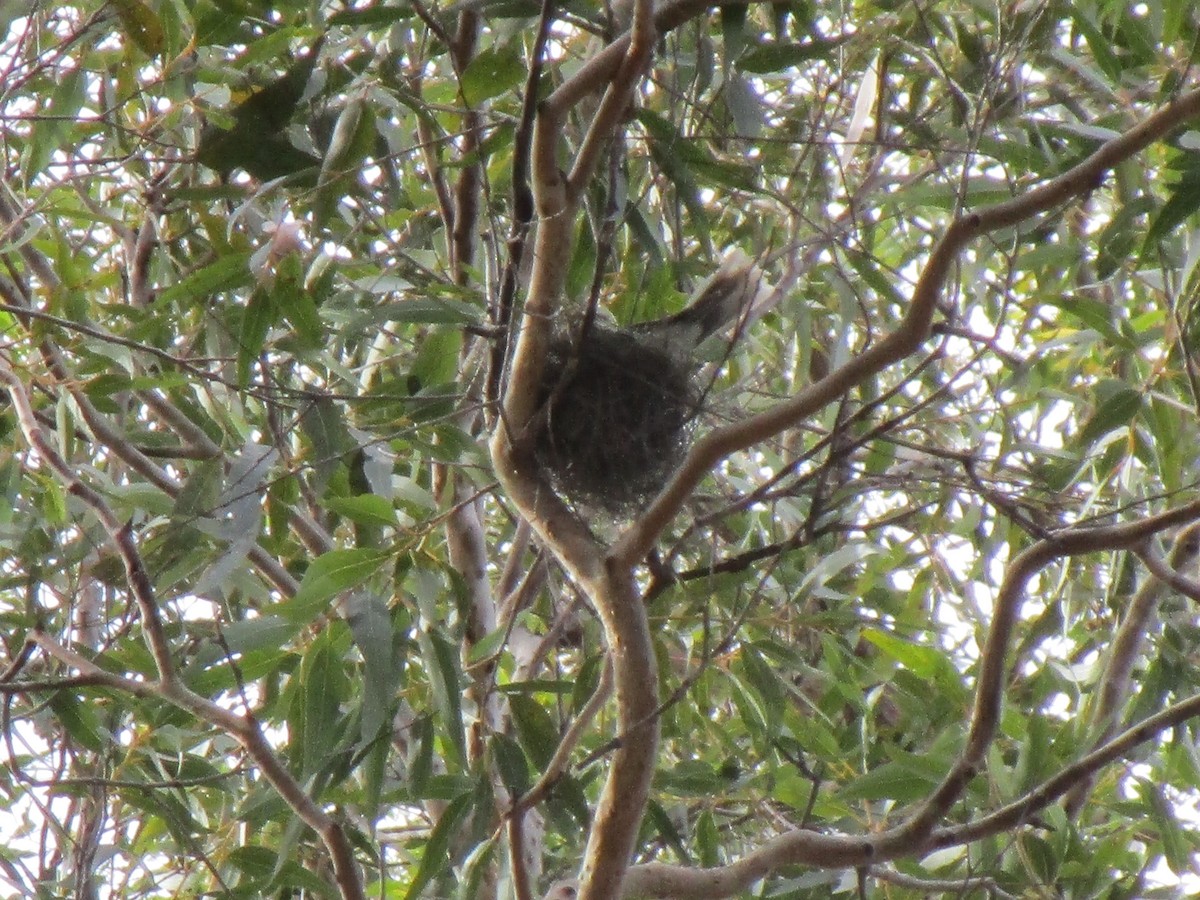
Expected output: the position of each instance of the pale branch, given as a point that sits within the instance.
(512, 577)
(989, 691)
(612, 590)
(168, 686)
(613, 105)
(110, 437)
(1022, 810)
(562, 753)
(1127, 646)
(947, 887)
(709, 450)
(1173, 577)
(610, 585)
(8, 289)
(429, 150)
(618, 815)
(434, 25)
(803, 847)
(469, 186)
(556, 201)
(522, 204)
(139, 247)
(89, 672)
(521, 880)
(566, 617)
(120, 535)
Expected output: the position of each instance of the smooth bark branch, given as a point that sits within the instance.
(168, 687)
(120, 535)
(1173, 578)
(1014, 814)
(610, 584)
(611, 589)
(636, 542)
(1127, 649)
(993, 665)
(556, 198)
(802, 847)
(112, 438)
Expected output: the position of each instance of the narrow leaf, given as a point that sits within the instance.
(436, 857)
(326, 577)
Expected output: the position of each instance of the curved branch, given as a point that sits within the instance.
(637, 540)
(1127, 648)
(612, 589)
(917, 834)
(244, 729)
(1023, 809)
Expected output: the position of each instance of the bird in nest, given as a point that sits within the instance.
(621, 402)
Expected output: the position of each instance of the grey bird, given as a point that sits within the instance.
(729, 296)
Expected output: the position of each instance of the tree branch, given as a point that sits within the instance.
(168, 687)
(1127, 648)
(802, 847)
(637, 540)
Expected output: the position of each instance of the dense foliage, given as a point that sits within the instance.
(276, 624)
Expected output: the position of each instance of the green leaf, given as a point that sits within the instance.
(79, 719)
(435, 858)
(437, 359)
(889, 781)
(692, 778)
(254, 861)
(267, 632)
(296, 303)
(745, 106)
(535, 729)
(198, 496)
(322, 691)
(778, 57)
(1089, 313)
(1181, 204)
(1176, 847)
(511, 764)
(327, 576)
(141, 25)
(260, 314)
(923, 661)
(371, 16)
(1098, 43)
(1117, 404)
(488, 646)
(442, 668)
(323, 422)
(708, 840)
(366, 509)
(733, 30)
(492, 72)
(371, 627)
(57, 126)
(418, 310)
(1116, 243)
(229, 271)
(767, 684)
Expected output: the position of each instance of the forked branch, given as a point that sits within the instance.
(637, 540)
(168, 687)
(918, 834)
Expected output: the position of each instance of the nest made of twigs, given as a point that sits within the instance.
(618, 419)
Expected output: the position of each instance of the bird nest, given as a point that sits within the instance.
(619, 418)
